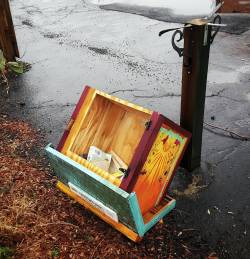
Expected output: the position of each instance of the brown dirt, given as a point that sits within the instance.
(38, 221)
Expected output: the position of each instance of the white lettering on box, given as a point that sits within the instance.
(97, 204)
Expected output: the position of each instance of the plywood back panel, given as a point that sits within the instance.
(110, 126)
(129, 134)
(107, 129)
(97, 128)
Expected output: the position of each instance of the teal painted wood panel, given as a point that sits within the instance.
(136, 212)
(110, 195)
(159, 216)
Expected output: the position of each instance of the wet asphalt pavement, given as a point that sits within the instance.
(71, 44)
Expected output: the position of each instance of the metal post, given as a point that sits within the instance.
(197, 36)
(194, 79)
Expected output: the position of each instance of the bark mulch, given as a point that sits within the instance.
(38, 221)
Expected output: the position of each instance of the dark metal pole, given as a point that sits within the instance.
(194, 80)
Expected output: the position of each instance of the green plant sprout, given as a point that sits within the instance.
(5, 67)
(6, 252)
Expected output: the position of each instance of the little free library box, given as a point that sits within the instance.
(142, 151)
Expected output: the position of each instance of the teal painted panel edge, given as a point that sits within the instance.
(158, 217)
(53, 151)
(136, 212)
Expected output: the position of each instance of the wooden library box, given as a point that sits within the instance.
(118, 159)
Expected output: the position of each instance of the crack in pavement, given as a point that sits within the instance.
(217, 94)
(231, 150)
(175, 95)
(49, 106)
(157, 96)
(225, 132)
(126, 90)
(54, 105)
(232, 99)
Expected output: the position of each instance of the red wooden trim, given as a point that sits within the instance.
(62, 140)
(73, 117)
(142, 152)
(80, 102)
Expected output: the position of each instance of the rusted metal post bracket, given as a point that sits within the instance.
(197, 40)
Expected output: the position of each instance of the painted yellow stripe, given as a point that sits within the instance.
(109, 177)
(126, 103)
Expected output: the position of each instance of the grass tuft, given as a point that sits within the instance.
(6, 252)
